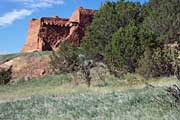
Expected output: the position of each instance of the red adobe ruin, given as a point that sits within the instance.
(47, 33)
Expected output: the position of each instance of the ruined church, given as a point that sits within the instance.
(47, 33)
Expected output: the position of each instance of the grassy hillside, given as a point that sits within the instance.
(58, 98)
(4, 58)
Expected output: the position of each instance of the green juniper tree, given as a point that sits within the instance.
(108, 20)
(65, 59)
(163, 18)
(98, 34)
(126, 47)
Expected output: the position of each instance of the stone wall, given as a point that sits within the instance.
(50, 34)
(47, 33)
(32, 43)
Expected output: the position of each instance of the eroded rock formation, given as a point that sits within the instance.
(47, 33)
(27, 67)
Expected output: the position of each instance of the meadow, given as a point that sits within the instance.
(56, 97)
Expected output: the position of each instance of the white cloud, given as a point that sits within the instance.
(29, 6)
(39, 3)
(10, 17)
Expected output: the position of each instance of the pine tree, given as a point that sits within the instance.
(163, 18)
(105, 22)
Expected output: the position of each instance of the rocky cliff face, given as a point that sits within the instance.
(47, 33)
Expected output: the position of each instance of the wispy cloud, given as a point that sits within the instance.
(10, 17)
(39, 3)
(29, 6)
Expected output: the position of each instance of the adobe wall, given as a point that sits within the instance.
(86, 16)
(32, 42)
(47, 33)
(50, 34)
(54, 21)
(82, 16)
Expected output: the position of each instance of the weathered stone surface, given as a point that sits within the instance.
(28, 67)
(47, 33)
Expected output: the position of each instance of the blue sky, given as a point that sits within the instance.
(15, 14)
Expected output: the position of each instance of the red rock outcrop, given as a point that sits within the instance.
(27, 67)
(47, 33)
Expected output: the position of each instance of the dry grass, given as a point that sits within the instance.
(58, 98)
(62, 84)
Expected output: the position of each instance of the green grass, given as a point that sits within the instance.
(63, 84)
(4, 58)
(56, 97)
(142, 104)
(45, 85)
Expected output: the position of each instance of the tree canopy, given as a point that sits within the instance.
(122, 31)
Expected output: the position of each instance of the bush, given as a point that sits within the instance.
(65, 59)
(158, 62)
(5, 76)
